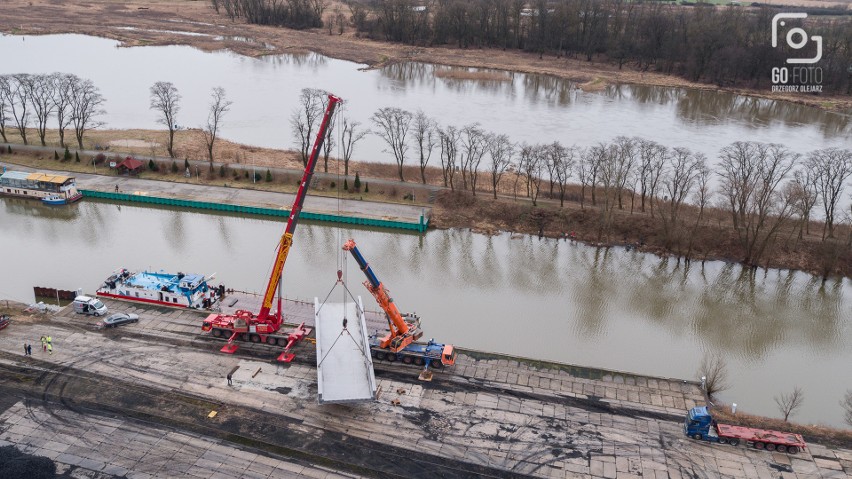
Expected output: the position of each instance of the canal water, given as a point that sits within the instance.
(531, 108)
(539, 298)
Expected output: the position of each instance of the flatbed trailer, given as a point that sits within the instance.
(700, 425)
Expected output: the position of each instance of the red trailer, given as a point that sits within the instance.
(700, 425)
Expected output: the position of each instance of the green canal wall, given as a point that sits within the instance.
(256, 210)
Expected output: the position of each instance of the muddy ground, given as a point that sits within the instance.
(104, 17)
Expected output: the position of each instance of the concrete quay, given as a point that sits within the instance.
(489, 416)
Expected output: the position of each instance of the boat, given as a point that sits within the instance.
(51, 188)
(177, 290)
(56, 200)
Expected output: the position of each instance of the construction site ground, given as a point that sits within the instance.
(137, 401)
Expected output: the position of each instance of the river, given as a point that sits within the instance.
(530, 108)
(539, 298)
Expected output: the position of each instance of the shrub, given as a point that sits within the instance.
(9, 149)
(257, 177)
(357, 183)
(185, 164)
(245, 173)
(345, 184)
(174, 167)
(715, 373)
(77, 156)
(67, 155)
(99, 158)
(223, 170)
(366, 187)
(332, 185)
(152, 166)
(55, 155)
(268, 175)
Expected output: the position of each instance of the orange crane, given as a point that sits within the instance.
(399, 343)
(263, 327)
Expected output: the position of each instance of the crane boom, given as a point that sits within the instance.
(295, 210)
(402, 332)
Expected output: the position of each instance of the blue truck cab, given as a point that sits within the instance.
(699, 424)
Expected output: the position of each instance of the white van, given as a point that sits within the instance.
(88, 305)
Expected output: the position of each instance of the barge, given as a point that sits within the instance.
(177, 290)
(50, 188)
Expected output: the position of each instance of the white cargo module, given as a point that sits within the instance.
(344, 364)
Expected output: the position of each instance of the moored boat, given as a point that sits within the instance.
(50, 188)
(177, 290)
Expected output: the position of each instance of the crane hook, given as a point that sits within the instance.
(339, 275)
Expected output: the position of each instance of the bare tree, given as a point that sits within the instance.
(501, 151)
(165, 99)
(305, 117)
(532, 159)
(587, 168)
(659, 160)
(684, 169)
(5, 101)
(703, 194)
(328, 143)
(86, 101)
(790, 402)
(846, 404)
(218, 107)
(751, 173)
(352, 134)
(563, 160)
(423, 131)
(393, 125)
(805, 197)
(625, 157)
(41, 99)
(63, 87)
(714, 372)
(832, 167)
(475, 145)
(449, 139)
(19, 101)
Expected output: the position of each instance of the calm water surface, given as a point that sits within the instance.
(537, 298)
(531, 108)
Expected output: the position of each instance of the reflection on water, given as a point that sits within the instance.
(540, 298)
(528, 108)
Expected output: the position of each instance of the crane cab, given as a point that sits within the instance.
(448, 355)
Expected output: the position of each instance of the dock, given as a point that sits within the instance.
(489, 415)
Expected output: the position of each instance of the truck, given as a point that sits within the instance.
(399, 344)
(701, 426)
(264, 326)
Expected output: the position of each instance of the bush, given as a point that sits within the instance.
(223, 170)
(332, 185)
(357, 183)
(77, 156)
(9, 149)
(268, 176)
(67, 155)
(174, 167)
(185, 164)
(245, 173)
(99, 158)
(55, 155)
(366, 187)
(257, 177)
(153, 166)
(345, 184)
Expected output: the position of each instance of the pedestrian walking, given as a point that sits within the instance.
(229, 379)
(43, 344)
(29, 349)
(116, 188)
(49, 348)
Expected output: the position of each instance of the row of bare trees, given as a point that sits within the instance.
(297, 14)
(722, 45)
(33, 100)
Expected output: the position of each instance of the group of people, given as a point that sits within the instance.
(46, 346)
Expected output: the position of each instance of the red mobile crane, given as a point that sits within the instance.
(399, 343)
(244, 325)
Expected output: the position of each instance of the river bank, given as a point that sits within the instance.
(176, 22)
(711, 238)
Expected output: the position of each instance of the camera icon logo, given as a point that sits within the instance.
(796, 37)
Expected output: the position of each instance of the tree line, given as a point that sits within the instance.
(298, 14)
(73, 101)
(761, 186)
(720, 45)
